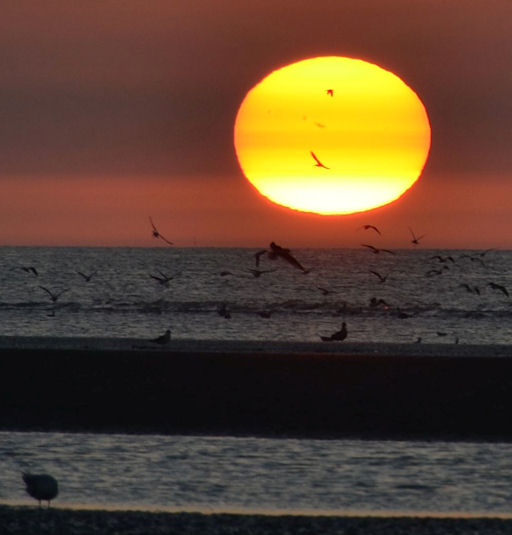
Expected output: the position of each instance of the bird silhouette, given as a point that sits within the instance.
(54, 296)
(30, 269)
(338, 336)
(377, 250)
(318, 162)
(470, 289)
(259, 272)
(382, 278)
(415, 239)
(162, 279)
(156, 233)
(86, 277)
(371, 227)
(41, 486)
(499, 287)
(164, 339)
(276, 251)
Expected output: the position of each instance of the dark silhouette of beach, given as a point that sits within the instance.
(409, 391)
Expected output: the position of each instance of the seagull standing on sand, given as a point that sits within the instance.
(41, 486)
(338, 336)
(164, 339)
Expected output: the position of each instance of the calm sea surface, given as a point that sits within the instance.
(255, 473)
(436, 296)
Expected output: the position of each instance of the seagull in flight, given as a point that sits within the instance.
(338, 336)
(376, 250)
(156, 233)
(415, 239)
(259, 272)
(276, 251)
(499, 287)
(318, 162)
(382, 278)
(30, 269)
(86, 277)
(162, 279)
(371, 227)
(53, 296)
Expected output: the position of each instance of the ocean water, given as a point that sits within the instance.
(439, 296)
(436, 296)
(254, 474)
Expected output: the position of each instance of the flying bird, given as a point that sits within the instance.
(415, 239)
(163, 279)
(371, 227)
(156, 233)
(499, 287)
(41, 486)
(374, 302)
(86, 277)
(377, 250)
(318, 162)
(30, 269)
(330, 92)
(259, 272)
(276, 251)
(53, 296)
(325, 291)
(470, 289)
(382, 278)
(338, 336)
(164, 339)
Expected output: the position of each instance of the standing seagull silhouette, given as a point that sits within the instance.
(338, 335)
(164, 339)
(41, 486)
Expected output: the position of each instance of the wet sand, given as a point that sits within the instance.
(323, 390)
(27, 520)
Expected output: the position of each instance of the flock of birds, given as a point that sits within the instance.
(443, 264)
(275, 252)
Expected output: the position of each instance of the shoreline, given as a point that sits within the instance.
(253, 347)
(281, 389)
(24, 519)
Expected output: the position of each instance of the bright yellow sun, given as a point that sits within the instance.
(332, 135)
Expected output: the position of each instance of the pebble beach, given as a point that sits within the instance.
(32, 520)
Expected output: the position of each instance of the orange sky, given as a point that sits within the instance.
(114, 111)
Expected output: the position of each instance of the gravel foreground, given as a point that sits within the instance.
(32, 520)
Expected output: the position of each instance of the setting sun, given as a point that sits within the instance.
(332, 135)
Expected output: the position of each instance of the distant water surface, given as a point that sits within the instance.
(438, 296)
(227, 473)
